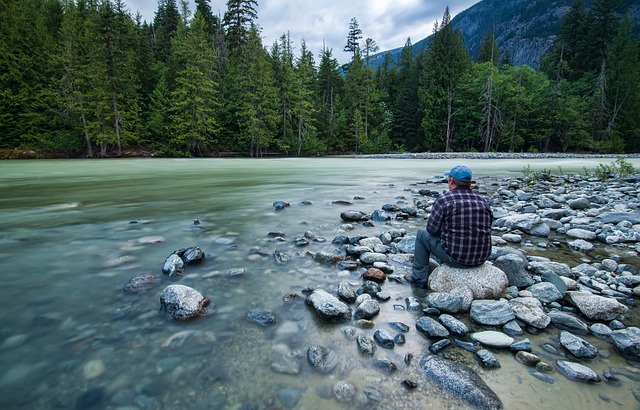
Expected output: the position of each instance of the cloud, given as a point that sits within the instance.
(326, 22)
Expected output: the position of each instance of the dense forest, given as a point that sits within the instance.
(85, 78)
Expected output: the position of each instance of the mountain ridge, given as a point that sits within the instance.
(527, 28)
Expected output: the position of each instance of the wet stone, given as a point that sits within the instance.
(142, 283)
(261, 316)
(453, 325)
(440, 345)
(523, 345)
(399, 339)
(399, 326)
(486, 359)
(322, 359)
(493, 339)
(344, 392)
(577, 372)
(384, 339)
(366, 345)
(385, 365)
(431, 328)
(578, 347)
(526, 358)
(367, 309)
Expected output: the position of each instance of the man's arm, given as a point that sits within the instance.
(434, 223)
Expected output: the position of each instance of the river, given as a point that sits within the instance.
(73, 232)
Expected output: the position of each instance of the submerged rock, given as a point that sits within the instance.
(460, 381)
(142, 283)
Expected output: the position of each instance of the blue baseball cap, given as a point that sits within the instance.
(459, 172)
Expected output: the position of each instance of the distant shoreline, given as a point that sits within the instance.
(491, 155)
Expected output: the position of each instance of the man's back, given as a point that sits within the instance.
(463, 220)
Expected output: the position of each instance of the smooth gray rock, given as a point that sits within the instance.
(581, 234)
(328, 307)
(597, 308)
(261, 316)
(617, 217)
(322, 359)
(566, 321)
(453, 325)
(142, 283)
(460, 381)
(577, 346)
(486, 359)
(577, 372)
(431, 328)
(545, 292)
(183, 303)
(346, 292)
(491, 312)
(529, 310)
(445, 302)
(515, 267)
(383, 338)
(492, 339)
(627, 342)
(367, 310)
(173, 266)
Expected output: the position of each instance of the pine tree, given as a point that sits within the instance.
(194, 110)
(284, 73)
(405, 106)
(356, 100)
(488, 49)
(251, 97)
(446, 62)
(238, 19)
(305, 79)
(330, 84)
(353, 38)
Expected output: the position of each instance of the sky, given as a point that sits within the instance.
(325, 23)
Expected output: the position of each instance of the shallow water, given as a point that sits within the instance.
(74, 232)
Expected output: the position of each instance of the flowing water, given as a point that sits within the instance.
(72, 234)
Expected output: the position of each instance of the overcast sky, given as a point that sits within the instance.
(388, 22)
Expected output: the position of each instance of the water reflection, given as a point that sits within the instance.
(74, 232)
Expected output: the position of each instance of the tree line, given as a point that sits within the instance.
(86, 78)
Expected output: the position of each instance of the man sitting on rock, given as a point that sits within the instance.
(458, 231)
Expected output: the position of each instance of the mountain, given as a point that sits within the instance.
(527, 28)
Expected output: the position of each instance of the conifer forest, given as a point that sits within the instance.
(86, 78)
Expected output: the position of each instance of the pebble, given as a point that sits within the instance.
(93, 368)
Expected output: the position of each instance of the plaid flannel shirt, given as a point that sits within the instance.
(462, 219)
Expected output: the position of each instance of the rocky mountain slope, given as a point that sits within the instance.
(527, 28)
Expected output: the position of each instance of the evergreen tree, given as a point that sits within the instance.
(238, 20)
(194, 109)
(446, 62)
(305, 110)
(405, 105)
(356, 100)
(330, 83)
(165, 27)
(488, 49)
(353, 38)
(251, 97)
(284, 73)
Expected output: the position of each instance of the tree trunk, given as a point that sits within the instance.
(448, 136)
(116, 124)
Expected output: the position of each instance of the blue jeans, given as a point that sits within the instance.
(427, 245)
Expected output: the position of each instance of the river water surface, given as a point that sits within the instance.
(73, 232)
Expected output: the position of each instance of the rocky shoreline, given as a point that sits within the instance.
(600, 222)
(495, 155)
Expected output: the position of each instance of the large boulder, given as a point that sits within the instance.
(328, 307)
(597, 308)
(460, 381)
(485, 281)
(183, 303)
